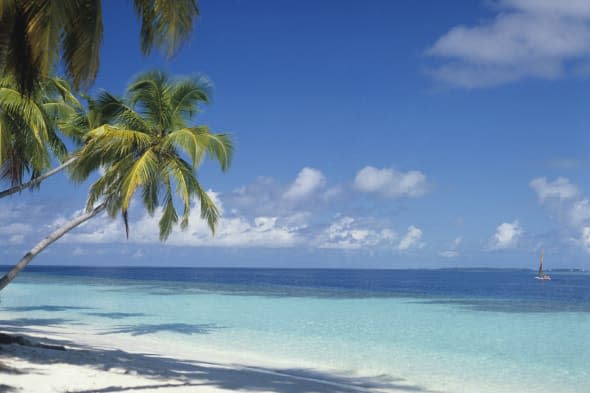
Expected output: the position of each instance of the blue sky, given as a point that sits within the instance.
(384, 134)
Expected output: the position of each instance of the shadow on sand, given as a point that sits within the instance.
(170, 372)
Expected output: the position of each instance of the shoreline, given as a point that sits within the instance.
(111, 364)
(408, 344)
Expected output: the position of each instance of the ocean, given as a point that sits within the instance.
(451, 331)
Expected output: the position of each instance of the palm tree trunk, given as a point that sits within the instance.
(59, 232)
(38, 179)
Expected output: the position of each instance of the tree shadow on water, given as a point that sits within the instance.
(46, 307)
(26, 322)
(34, 325)
(511, 306)
(182, 328)
(116, 315)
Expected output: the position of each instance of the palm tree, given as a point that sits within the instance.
(36, 34)
(74, 122)
(29, 126)
(148, 144)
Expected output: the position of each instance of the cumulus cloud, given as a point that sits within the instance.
(579, 213)
(267, 197)
(264, 214)
(568, 207)
(584, 239)
(560, 189)
(348, 233)
(452, 249)
(527, 38)
(563, 199)
(411, 239)
(390, 182)
(232, 231)
(506, 236)
(308, 181)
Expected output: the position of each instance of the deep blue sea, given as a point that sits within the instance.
(487, 331)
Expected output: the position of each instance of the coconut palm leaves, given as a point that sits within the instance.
(148, 146)
(34, 34)
(29, 126)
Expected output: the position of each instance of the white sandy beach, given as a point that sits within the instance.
(105, 364)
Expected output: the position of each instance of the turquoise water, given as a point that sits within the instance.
(431, 336)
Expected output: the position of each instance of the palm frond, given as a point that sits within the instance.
(56, 86)
(109, 184)
(183, 175)
(144, 144)
(106, 146)
(150, 196)
(150, 93)
(169, 216)
(197, 141)
(186, 95)
(75, 126)
(58, 147)
(209, 211)
(82, 37)
(15, 104)
(165, 24)
(34, 34)
(142, 172)
(112, 109)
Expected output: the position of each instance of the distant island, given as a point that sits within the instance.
(570, 270)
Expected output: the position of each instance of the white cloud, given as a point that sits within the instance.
(411, 239)
(506, 236)
(579, 213)
(527, 38)
(332, 193)
(16, 239)
(585, 238)
(348, 233)
(452, 249)
(264, 214)
(568, 206)
(390, 182)
(571, 8)
(581, 238)
(262, 231)
(560, 188)
(15, 229)
(234, 231)
(308, 181)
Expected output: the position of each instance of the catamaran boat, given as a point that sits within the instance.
(541, 275)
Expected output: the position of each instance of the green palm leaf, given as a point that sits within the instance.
(142, 172)
(35, 35)
(147, 146)
(15, 104)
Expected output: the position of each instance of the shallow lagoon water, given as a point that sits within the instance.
(438, 330)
